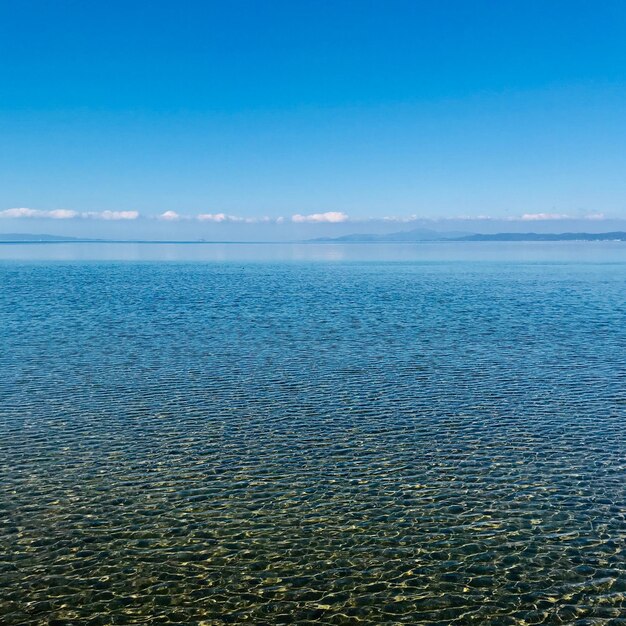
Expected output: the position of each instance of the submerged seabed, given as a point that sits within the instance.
(312, 443)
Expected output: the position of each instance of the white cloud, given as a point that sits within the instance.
(17, 213)
(67, 214)
(330, 216)
(56, 214)
(169, 216)
(62, 214)
(223, 217)
(396, 218)
(213, 217)
(218, 217)
(111, 215)
(543, 216)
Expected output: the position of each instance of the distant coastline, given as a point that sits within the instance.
(612, 236)
(38, 238)
(401, 237)
(432, 237)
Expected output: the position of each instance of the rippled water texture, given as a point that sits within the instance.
(312, 443)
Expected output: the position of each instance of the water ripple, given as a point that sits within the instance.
(312, 444)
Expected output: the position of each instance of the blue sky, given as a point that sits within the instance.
(138, 117)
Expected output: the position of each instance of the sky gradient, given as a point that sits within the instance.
(282, 119)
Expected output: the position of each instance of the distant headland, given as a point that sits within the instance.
(424, 236)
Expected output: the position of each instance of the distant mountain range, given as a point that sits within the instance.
(417, 236)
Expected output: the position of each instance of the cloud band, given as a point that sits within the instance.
(67, 214)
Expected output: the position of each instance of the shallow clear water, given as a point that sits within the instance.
(314, 443)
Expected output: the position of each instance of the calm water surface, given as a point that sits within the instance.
(391, 438)
(588, 252)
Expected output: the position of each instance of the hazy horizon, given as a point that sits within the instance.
(189, 229)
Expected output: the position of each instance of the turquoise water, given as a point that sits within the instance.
(381, 438)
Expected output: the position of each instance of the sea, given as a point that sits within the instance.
(313, 434)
